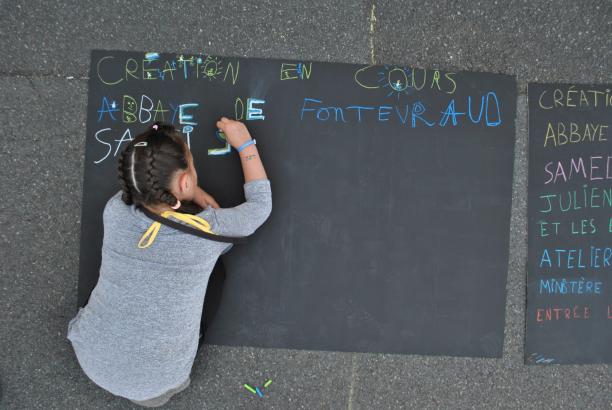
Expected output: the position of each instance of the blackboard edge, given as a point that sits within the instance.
(508, 76)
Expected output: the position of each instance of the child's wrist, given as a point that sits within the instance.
(248, 151)
(245, 145)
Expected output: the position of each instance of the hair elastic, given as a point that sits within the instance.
(132, 172)
(139, 144)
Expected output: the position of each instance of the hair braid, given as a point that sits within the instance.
(157, 191)
(127, 195)
(147, 165)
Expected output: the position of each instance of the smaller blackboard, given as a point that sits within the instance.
(569, 301)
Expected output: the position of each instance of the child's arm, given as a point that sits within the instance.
(237, 134)
(245, 218)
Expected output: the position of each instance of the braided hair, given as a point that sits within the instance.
(147, 164)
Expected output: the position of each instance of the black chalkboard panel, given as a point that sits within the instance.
(569, 301)
(391, 195)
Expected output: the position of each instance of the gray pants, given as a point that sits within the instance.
(163, 399)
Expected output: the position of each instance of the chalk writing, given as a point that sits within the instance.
(538, 358)
(108, 108)
(254, 113)
(564, 286)
(408, 114)
(575, 312)
(251, 110)
(404, 80)
(112, 71)
(564, 258)
(598, 167)
(574, 200)
(187, 120)
(432, 149)
(211, 68)
(563, 133)
(220, 151)
(295, 71)
(570, 222)
(574, 96)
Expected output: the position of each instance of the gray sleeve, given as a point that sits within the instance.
(244, 219)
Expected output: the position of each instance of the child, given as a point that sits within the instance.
(138, 334)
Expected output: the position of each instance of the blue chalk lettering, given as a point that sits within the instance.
(597, 288)
(570, 258)
(185, 119)
(545, 285)
(545, 257)
(381, 113)
(403, 118)
(359, 108)
(558, 252)
(308, 109)
(336, 111)
(606, 256)
(174, 110)
(498, 120)
(108, 108)
(450, 113)
(417, 110)
(319, 111)
(187, 131)
(252, 112)
(482, 105)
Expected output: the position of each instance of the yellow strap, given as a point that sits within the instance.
(196, 221)
(152, 231)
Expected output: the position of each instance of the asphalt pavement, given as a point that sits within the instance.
(44, 62)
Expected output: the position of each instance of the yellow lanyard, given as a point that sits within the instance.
(193, 220)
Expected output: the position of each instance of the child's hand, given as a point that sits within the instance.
(204, 199)
(235, 132)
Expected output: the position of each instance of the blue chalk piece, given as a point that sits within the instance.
(259, 392)
(151, 56)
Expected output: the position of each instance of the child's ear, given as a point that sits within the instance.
(184, 182)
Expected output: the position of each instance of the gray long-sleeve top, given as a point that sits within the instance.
(137, 336)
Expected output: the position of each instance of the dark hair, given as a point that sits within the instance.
(146, 170)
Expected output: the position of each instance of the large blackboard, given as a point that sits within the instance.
(391, 195)
(569, 301)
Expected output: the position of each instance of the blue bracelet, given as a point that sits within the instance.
(246, 144)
